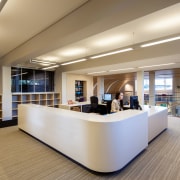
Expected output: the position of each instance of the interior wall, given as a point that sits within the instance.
(70, 86)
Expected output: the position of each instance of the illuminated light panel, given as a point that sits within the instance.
(121, 69)
(49, 58)
(111, 53)
(41, 62)
(157, 65)
(72, 62)
(160, 42)
(50, 67)
(73, 52)
(97, 72)
(44, 64)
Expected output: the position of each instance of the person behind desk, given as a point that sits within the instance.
(121, 101)
(117, 103)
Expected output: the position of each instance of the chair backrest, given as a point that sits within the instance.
(94, 102)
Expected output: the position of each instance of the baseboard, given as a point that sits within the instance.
(12, 122)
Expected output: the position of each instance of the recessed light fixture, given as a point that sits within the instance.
(111, 53)
(160, 42)
(97, 72)
(49, 58)
(121, 69)
(157, 65)
(50, 67)
(72, 62)
(37, 61)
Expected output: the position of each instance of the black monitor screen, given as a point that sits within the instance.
(107, 97)
(134, 103)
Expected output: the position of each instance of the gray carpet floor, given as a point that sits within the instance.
(24, 158)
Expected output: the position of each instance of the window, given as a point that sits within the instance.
(39, 81)
(160, 84)
(15, 79)
(29, 80)
(163, 84)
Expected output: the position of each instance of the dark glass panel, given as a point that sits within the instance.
(15, 79)
(49, 81)
(39, 81)
(27, 81)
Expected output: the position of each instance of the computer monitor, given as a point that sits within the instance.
(107, 97)
(134, 103)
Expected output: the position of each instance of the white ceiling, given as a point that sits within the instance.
(21, 21)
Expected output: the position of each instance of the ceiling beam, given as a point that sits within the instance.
(91, 18)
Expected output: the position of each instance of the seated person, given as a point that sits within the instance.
(121, 102)
(117, 103)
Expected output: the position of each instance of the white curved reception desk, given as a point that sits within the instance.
(102, 143)
(157, 120)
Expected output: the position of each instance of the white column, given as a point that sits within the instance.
(152, 88)
(64, 88)
(100, 88)
(140, 87)
(6, 93)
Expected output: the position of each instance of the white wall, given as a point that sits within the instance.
(69, 86)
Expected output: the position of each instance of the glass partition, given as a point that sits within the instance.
(30, 80)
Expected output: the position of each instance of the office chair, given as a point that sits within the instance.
(94, 104)
(97, 108)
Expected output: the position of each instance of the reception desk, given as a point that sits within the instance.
(157, 120)
(102, 143)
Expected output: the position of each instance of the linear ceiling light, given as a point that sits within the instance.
(72, 62)
(157, 65)
(97, 72)
(37, 61)
(121, 69)
(161, 41)
(50, 67)
(111, 53)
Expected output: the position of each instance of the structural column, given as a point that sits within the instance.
(6, 93)
(100, 88)
(140, 87)
(64, 88)
(152, 88)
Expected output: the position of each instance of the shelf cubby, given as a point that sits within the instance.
(45, 99)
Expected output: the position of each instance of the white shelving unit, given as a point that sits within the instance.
(51, 99)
